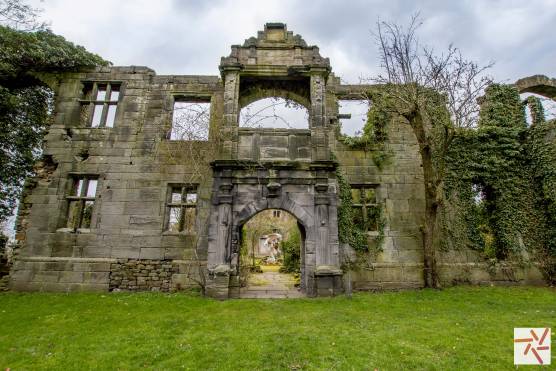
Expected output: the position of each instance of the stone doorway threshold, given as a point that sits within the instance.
(270, 285)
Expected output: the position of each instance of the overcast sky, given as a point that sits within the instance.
(189, 37)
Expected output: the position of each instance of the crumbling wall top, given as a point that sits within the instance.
(538, 84)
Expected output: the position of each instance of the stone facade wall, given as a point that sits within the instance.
(135, 166)
(61, 274)
(400, 191)
(128, 246)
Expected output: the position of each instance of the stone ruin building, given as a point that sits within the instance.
(99, 213)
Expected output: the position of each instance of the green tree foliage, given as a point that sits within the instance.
(26, 61)
(27, 55)
(291, 250)
(23, 121)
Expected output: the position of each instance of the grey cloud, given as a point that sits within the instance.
(189, 37)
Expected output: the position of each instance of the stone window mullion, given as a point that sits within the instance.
(365, 202)
(98, 112)
(106, 105)
(78, 200)
(183, 205)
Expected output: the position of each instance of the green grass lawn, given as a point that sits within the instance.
(458, 328)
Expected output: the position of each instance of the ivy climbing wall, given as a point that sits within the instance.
(497, 221)
(500, 186)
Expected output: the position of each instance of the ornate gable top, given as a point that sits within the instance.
(274, 50)
(275, 34)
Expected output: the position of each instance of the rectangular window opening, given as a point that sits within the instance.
(353, 116)
(97, 115)
(111, 116)
(81, 202)
(181, 208)
(365, 207)
(102, 99)
(190, 120)
(114, 93)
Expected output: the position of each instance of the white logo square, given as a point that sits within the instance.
(532, 346)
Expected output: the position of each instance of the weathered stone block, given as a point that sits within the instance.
(71, 277)
(96, 277)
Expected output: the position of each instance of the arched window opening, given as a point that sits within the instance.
(274, 112)
(357, 112)
(548, 105)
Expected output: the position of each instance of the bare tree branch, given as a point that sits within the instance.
(437, 95)
(20, 16)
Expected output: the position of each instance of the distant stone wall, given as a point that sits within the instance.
(142, 275)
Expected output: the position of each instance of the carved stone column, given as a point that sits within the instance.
(328, 274)
(220, 235)
(319, 141)
(231, 113)
(322, 223)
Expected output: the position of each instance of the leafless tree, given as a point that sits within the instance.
(20, 16)
(436, 94)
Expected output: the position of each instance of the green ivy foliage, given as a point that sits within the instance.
(348, 231)
(351, 232)
(25, 101)
(536, 109)
(27, 53)
(375, 134)
(291, 250)
(3, 242)
(541, 147)
(500, 182)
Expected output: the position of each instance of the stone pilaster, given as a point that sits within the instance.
(231, 113)
(318, 123)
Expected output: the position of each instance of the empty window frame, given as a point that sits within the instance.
(274, 112)
(81, 202)
(103, 102)
(365, 207)
(353, 116)
(190, 120)
(276, 213)
(181, 208)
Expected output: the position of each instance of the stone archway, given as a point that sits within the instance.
(290, 89)
(241, 190)
(537, 84)
(304, 221)
(269, 280)
(290, 169)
